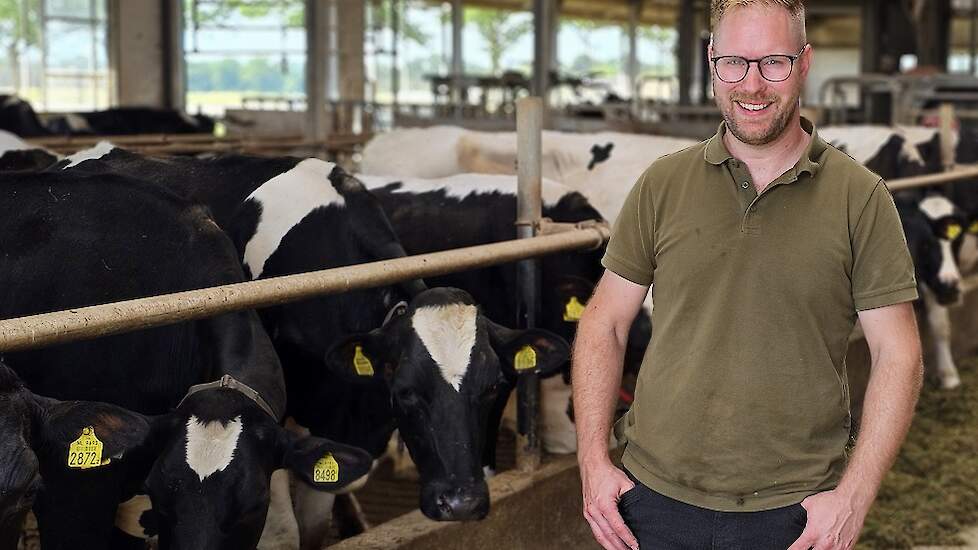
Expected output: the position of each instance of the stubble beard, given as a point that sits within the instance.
(774, 130)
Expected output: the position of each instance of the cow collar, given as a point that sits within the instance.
(230, 382)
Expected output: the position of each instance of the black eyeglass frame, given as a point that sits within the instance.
(760, 71)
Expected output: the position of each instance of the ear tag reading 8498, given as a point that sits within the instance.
(86, 451)
(361, 363)
(526, 359)
(326, 470)
(573, 310)
(952, 231)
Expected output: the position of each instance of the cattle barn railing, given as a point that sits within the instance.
(177, 144)
(59, 327)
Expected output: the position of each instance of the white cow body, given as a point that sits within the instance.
(565, 159)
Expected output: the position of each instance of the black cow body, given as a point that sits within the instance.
(69, 241)
(120, 121)
(17, 116)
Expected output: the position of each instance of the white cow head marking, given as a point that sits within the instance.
(448, 333)
(211, 445)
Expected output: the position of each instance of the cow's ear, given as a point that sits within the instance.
(323, 464)
(572, 296)
(87, 435)
(534, 350)
(362, 358)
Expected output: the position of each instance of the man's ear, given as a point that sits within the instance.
(88, 435)
(323, 464)
(534, 350)
(362, 358)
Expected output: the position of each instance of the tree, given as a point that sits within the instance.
(20, 27)
(498, 29)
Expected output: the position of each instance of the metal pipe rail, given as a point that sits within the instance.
(932, 179)
(60, 327)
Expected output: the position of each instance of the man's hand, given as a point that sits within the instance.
(603, 484)
(834, 522)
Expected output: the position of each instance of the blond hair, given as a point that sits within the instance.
(795, 8)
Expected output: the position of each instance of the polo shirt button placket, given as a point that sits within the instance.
(745, 185)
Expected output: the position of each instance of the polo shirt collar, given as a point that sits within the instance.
(716, 152)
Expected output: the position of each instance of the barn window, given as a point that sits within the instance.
(57, 52)
(244, 54)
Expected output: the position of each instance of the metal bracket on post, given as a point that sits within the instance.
(529, 208)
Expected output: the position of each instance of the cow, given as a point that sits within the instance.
(18, 155)
(289, 215)
(601, 166)
(481, 209)
(37, 433)
(208, 396)
(935, 227)
(119, 121)
(18, 117)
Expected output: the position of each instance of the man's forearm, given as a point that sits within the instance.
(891, 397)
(596, 376)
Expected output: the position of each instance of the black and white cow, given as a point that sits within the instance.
(18, 117)
(206, 455)
(934, 226)
(18, 155)
(473, 209)
(119, 121)
(601, 166)
(36, 431)
(289, 215)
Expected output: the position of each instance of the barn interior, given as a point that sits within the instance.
(325, 78)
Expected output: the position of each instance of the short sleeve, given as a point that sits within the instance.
(630, 252)
(882, 271)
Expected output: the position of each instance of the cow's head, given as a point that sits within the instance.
(933, 226)
(444, 362)
(210, 484)
(19, 477)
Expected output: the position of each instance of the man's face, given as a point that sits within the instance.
(756, 110)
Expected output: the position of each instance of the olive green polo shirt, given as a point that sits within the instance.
(742, 402)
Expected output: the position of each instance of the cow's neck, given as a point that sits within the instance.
(769, 161)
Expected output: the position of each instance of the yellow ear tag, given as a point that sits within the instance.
(973, 228)
(573, 310)
(361, 363)
(86, 451)
(326, 470)
(526, 359)
(953, 231)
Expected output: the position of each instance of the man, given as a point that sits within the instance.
(764, 244)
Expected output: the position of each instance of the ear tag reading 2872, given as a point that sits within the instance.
(86, 451)
(361, 363)
(573, 310)
(326, 470)
(526, 359)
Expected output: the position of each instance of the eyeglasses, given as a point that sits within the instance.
(774, 68)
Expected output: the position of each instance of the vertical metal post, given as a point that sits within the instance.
(684, 55)
(529, 207)
(317, 64)
(974, 37)
(395, 40)
(543, 21)
(947, 135)
(633, 15)
(457, 59)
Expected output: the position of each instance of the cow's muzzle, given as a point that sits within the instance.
(444, 501)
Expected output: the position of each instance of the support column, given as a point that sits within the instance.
(174, 88)
(544, 19)
(350, 52)
(317, 67)
(973, 37)
(934, 34)
(685, 46)
(458, 61)
(634, 12)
